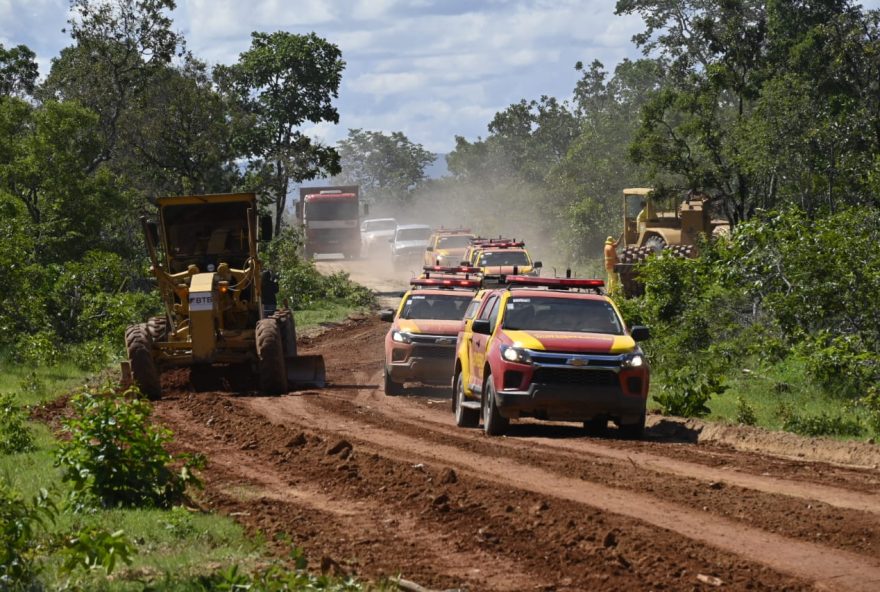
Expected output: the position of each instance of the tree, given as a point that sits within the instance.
(283, 81)
(18, 71)
(119, 47)
(178, 137)
(388, 167)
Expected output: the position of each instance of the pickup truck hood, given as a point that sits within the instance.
(417, 244)
(377, 234)
(429, 326)
(568, 341)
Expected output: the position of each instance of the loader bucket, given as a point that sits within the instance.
(306, 371)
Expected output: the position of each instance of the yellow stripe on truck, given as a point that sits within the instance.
(524, 339)
(623, 344)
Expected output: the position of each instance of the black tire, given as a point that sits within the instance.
(633, 431)
(287, 327)
(493, 423)
(140, 358)
(464, 417)
(158, 328)
(270, 358)
(596, 426)
(392, 389)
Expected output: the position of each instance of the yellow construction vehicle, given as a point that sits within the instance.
(647, 230)
(219, 301)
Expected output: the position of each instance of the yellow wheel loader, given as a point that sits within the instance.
(647, 230)
(219, 301)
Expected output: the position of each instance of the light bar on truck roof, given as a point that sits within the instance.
(444, 283)
(458, 269)
(540, 282)
(495, 243)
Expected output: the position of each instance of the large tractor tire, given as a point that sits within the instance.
(270, 358)
(655, 243)
(140, 357)
(157, 327)
(287, 327)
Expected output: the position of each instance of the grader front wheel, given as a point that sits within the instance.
(270, 358)
(140, 356)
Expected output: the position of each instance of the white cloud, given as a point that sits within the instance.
(386, 84)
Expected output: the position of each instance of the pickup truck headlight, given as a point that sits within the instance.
(401, 337)
(515, 354)
(633, 361)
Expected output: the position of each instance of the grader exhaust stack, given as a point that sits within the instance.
(219, 302)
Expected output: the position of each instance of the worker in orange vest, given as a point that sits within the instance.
(610, 262)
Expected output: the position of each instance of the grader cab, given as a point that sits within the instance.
(219, 301)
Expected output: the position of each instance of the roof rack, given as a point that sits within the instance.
(498, 243)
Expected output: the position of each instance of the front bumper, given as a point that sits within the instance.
(566, 402)
(428, 364)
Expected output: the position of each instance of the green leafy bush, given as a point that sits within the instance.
(686, 392)
(117, 457)
(823, 424)
(15, 436)
(20, 522)
(300, 283)
(745, 412)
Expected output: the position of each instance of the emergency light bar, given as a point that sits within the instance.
(497, 242)
(524, 280)
(459, 269)
(444, 283)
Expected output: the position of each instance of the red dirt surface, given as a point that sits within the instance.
(379, 486)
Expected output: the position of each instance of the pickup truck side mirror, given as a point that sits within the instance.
(537, 265)
(429, 248)
(640, 333)
(386, 315)
(481, 326)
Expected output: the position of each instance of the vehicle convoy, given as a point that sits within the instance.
(447, 246)
(375, 234)
(420, 345)
(330, 219)
(219, 300)
(647, 230)
(550, 348)
(501, 257)
(408, 244)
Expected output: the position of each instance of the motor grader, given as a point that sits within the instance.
(647, 230)
(219, 301)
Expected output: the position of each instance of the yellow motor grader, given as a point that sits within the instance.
(219, 301)
(647, 230)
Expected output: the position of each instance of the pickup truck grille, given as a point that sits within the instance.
(575, 376)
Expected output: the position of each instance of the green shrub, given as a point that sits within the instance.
(823, 424)
(15, 436)
(117, 457)
(91, 355)
(37, 349)
(20, 523)
(871, 403)
(745, 413)
(302, 285)
(686, 392)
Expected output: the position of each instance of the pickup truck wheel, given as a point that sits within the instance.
(633, 431)
(493, 423)
(464, 417)
(392, 389)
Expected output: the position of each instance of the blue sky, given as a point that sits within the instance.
(432, 69)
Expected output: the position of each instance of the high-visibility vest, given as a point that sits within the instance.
(610, 257)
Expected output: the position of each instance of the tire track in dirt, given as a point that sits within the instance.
(825, 566)
(560, 544)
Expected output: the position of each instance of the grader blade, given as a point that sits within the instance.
(306, 371)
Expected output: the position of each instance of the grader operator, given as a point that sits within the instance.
(219, 301)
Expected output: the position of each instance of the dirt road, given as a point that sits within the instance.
(379, 486)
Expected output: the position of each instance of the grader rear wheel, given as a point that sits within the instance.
(270, 358)
(140, 356)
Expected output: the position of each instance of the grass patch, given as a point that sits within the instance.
(332, 312)
(36, 384)
(782, 396)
